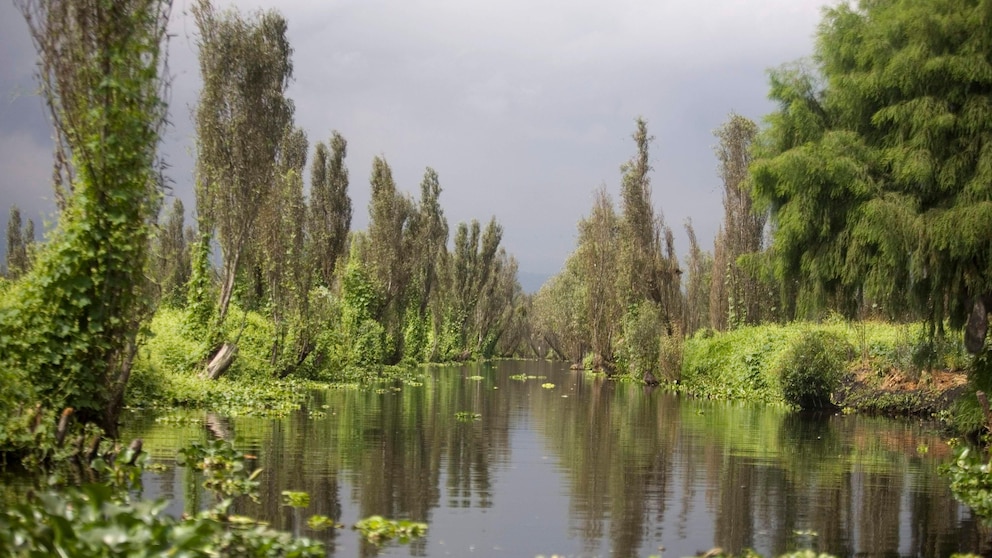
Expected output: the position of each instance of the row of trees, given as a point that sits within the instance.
(391, 293)
(71, 309)
(870, 190)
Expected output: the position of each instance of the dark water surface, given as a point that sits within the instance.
(587, 467)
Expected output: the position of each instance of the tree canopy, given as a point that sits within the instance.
(877, 165)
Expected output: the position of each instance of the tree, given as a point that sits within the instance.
(429, 231)
(598, 245)
(286, 269)
(173, 256)
(19, 239)
(70, 325)
(649, 287)
(640, 243)
(330, 206)
(699, 265)
(738, 296)
(876, 165)
(241, 117)
(390, 246)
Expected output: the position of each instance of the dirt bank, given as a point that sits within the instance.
(895, 393)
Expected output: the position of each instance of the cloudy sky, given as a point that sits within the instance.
(524, 107)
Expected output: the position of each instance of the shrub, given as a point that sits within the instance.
(811, 368)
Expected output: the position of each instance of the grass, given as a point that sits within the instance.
(167, 371)
(745, 364)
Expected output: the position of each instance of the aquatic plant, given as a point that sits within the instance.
(970, 480)
(379, 530)
(104, 518)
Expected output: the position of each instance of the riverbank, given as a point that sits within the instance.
(888, 369)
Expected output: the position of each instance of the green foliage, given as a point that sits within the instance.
(241, 120)
(970, 481)
(379, 530)
(811, 368)
(71, 324)
(639, 350)
(874, 165)
(735, 365)
(105, 519)
(223, 467)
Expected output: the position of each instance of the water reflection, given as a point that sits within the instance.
(586, 468)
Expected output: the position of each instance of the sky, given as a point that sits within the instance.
(524, 107)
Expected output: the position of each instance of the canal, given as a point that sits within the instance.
(523, 459)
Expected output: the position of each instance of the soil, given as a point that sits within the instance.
(898, 393)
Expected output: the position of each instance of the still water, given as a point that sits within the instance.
(585, 467)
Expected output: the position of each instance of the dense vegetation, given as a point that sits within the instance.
(867, 194)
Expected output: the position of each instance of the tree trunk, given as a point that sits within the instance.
(221, 361)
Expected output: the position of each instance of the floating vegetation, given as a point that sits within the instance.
(379, 530)
(523, 377)
(467, 416)
(477, 378)
(295, 499)
(317, 414)
(322, 522)
(548, 385)
(179, 419)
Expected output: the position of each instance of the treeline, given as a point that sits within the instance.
(624, 302)
(867, 194)
(338, 299)
(264, 245)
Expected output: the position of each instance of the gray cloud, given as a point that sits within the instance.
(524, 108)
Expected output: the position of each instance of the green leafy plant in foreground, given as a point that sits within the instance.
(104, 519)
(971, 481)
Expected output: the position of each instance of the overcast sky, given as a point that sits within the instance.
(524, 107)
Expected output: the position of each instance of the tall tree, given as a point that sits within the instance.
(699, 267)
(876, 165)
(598, 245)
(286, 269)
(18, 240)
(240, 120)
(330, 206)
(70, 325)
(173, 256)
(740, 295)
(640, 243)
(390, 245)
(429, 232)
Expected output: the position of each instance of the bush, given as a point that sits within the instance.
(811, 368)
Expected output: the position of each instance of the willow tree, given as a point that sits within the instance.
(241, 117)
(877, 166)
(69, 327)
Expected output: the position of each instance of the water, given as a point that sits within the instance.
(586, 468)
